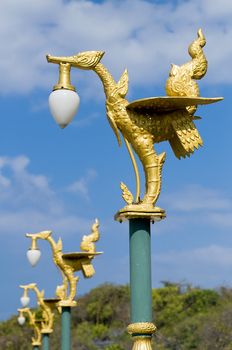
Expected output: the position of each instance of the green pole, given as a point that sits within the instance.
(140, 270)
(45, 341)
(66, 328)
(35, 347)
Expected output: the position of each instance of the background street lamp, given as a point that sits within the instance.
(47, 311)
(69, 263)
(142, 123)
(34, 323)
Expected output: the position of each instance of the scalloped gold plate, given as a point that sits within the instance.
(170, 103)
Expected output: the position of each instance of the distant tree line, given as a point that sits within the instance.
(186, 317)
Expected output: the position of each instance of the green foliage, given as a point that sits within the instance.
(114, 347)
(186, 317)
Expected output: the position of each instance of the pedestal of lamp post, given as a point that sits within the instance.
(141, 327)
(45, 341)
(66, 328)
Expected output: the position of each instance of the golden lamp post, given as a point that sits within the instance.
(34, 323)
(141, 123)
(47, 307)
(68, 263)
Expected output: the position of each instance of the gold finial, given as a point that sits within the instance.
(181, 78)
(87, 243)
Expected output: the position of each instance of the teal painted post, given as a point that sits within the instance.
(66, 328)
(140, 270)
(35, 347)
(45, 341)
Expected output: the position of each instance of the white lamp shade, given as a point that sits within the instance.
(21, 320)
(63, 106)
(25, 300)
(33, 256)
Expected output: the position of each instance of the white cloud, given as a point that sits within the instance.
(211, 255)
(34, 220)
(81, 186)
(142, 35)
(20, 187)
(222, 219)
(27, 202)
(196, 206)
(198, 198)
(208, 266)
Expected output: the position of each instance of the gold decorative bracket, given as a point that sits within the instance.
(34, 323)
(65, 64)
(69, 263)
(47, 314)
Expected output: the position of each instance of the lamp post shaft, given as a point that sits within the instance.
(45, 341)
(141, 327)
(140, 270)
(66, 328)
(35, 347)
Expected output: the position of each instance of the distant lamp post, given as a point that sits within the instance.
(69, 263)
(142, 123)
(33, 323)
(47, 311)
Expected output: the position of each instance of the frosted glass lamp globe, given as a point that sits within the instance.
(63, 105)
(25, 300)
(21, 320)
(33, 256)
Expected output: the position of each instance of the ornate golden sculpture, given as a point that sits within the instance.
(69, 263)
(145, 122)
(47, 314)
(34, 323)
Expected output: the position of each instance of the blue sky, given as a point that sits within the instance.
(63, 179)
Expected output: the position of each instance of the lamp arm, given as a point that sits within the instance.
(48, 316)
(32, 322)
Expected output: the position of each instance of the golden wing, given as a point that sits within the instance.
(185, 138)
(83, 264)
